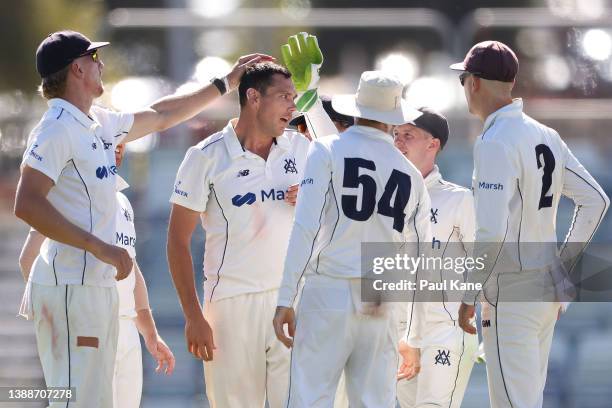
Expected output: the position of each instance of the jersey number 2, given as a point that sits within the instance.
(398, 181)
(548, 162)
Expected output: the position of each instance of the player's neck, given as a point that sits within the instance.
(79, 99)
(426, 168)
(493, 105)
(252, 138)
(383, 127)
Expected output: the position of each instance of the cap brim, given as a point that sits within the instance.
(459, 66)
(96, 45)
(347, 105)
(298, 120)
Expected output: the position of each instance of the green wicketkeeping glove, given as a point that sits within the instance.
(303, 58)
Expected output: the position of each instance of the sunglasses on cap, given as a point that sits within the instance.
(93, 54)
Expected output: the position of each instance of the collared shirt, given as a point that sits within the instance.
(125, 237)
(452, 226)
(357, 188)
(521, 170)
(241, 198)
(76, 151)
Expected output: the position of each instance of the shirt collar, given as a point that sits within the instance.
(120, 183)
(76, 113)
(234, 147)
(512, 109)
(433, 177)
(372, 132)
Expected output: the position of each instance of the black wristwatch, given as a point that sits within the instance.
(220, 84)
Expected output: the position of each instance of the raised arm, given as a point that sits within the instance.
(174, 109)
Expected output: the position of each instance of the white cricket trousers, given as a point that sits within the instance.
(249, 363)
(127, 381)
(446, 366)
(517, 337)
(76, 333)
(331, 336)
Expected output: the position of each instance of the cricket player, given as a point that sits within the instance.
(235, 183)
(134, 312)
(446, 353)
(67, 193)
(356, 188)
(521, 169)
(305, 122)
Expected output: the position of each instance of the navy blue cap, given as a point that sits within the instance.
(60, 49)
(434, 123)
(333, 115)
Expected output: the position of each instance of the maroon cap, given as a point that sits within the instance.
(490, 60)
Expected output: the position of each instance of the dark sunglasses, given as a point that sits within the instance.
(93, 54)
(466, 74)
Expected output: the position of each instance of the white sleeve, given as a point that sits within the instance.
(418, 231)
(318, 122)
(116, 124)
(591, 204)
(467, 222)
(308, 213)
(192, 185)
(495, 181)
(49, 151)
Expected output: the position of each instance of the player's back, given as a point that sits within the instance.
(524, 162)
(374, 195)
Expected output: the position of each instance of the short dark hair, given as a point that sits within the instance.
(54, 85)
(259, 76)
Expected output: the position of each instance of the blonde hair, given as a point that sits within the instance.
(54, 85)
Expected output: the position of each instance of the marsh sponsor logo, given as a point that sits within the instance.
(265, 195)
(240, 200)
(103, 172)
(125, 240)
(307, 181)
(272, 194)
(483, 185)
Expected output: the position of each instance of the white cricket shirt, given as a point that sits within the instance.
(77, 152)
(452, 225)
(357, 188)
(125, 237)
(241, 198)
(521, 169)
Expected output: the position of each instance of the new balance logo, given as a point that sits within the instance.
(486, 323)
(106, 144)
(239, 201)
(103, 172)
(443, 357)
(243, 173)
